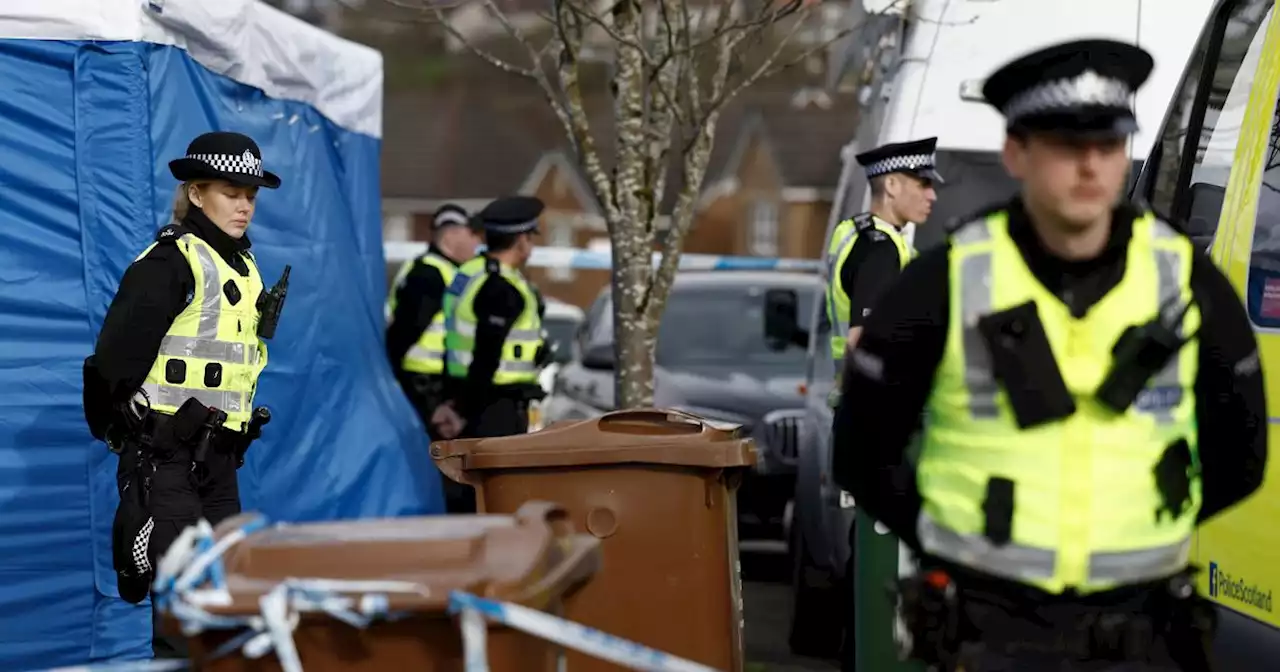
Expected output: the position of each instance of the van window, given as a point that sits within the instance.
(1185, 177)
(1263, 287)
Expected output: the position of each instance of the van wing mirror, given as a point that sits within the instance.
(781, 318)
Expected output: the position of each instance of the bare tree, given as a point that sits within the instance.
(675, 64)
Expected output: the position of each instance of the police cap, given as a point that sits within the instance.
(511, 215)
(1083, 87)
(450, 214)
(918, 157)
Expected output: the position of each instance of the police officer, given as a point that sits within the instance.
(869, 250)
(415, 330)
(170, 385)
(1093, 393)
(494, 340)
(869, 253)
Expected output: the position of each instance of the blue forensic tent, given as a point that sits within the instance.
(95, 97)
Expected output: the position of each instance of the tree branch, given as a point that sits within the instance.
(770, 66)
(575, 120)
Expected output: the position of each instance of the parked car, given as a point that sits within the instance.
(714, 360)
(561, 321)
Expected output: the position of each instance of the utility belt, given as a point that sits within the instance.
(199, 428)
(945, 616)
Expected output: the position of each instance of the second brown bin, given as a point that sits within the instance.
(659, 489)
(532, 558)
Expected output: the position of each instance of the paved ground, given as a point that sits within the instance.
(767, 603)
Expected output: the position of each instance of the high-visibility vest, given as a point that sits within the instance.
(517, 365)
(838, 304)
(1086, 509)
(426, 356)
(389, 308)
(842, 230)
(212, 351)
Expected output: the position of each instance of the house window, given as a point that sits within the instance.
(396, 226)
(764, 229)
(560, 234)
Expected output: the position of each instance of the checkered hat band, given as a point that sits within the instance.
(450, 217)
(894, 164)
(1065, 94)
(243, 164)
(519, 227)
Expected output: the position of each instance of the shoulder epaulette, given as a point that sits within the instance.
(171, 232)
(864, 221)
(492, 265)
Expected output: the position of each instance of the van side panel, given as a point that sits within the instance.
(1240, 550)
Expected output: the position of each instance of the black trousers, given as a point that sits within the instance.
(181, 494)
(1004, 634)
(501, 417)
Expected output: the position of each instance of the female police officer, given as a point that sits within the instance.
(179, 356)
(1092, 390)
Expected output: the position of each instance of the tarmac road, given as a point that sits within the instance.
(767, 602)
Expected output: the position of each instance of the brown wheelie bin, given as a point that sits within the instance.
(531, 558)
(658, 488)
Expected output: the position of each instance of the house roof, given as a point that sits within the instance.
(472, 139)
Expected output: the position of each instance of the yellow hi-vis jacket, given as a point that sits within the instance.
(1085, 503)
(517, 365)
(838, 303)
(426, 356)
(212, 351)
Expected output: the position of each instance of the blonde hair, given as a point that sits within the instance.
(182, 198)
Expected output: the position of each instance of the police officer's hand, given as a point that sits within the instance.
(446, 421)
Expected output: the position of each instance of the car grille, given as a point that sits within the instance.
(780, 434)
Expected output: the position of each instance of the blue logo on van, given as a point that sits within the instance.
(1225, 586)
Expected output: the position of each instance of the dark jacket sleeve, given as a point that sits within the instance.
(887, 381)
(497, 305)
(152, 293)
(418, 299)
(870, 269)
(1231, 406)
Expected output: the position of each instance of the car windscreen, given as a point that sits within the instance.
(561, 331)
(724, 326)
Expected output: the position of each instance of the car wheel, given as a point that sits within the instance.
(817, 611)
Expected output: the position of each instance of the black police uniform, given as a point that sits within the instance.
(906, 337)
(161, 491)
(497, 410)
(419, 298)
(874, 262)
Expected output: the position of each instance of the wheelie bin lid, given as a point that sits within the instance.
(531, 557)
(640, 436)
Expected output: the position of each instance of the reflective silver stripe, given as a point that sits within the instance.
(468, 330)
(1169, 293)
(211, 306)
(174, 396)
(1027, 563)
(1141, 565)
(841, 321)
(975, 301)
(423, 354)
(208, 348)
(1023, 563)
(505, 366)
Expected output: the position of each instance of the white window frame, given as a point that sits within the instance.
(397, 226)
(763, 230)
(560, 234)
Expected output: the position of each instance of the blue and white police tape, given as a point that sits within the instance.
(130, 666)
(558, 630)
(397, 252)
